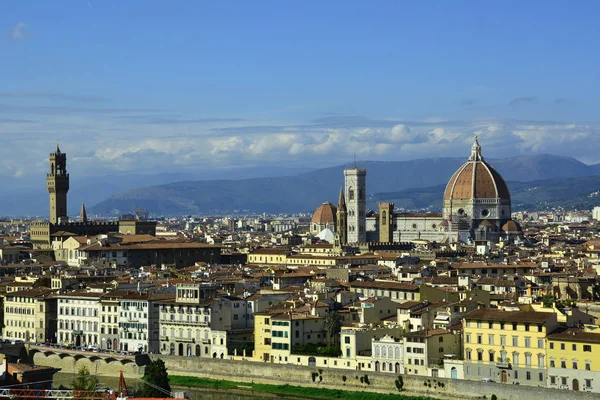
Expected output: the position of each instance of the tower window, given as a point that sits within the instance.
(383, 218)
(351, 194)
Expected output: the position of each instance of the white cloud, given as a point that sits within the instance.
(100, 144)
(19, 31)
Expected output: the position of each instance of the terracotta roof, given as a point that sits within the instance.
(325, 213)
(575, 335)
(385, 285)
(487, 314)
(476, 179)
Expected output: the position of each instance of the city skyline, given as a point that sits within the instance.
(142, 86)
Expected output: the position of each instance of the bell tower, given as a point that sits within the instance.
(57, 182)
(386, 222)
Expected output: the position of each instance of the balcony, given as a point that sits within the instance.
(503, 364)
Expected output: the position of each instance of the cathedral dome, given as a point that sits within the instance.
(511, 227)
(325, 214)
(476, 179)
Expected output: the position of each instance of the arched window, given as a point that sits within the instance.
(383, 218)
(351, 193)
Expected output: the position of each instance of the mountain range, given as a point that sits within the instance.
(536, 181)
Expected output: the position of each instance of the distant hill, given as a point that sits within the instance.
(578, 193)
(304, 192)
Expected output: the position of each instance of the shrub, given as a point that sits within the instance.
(344, 378)
(400, 383)
(320, 378)
(494, 397)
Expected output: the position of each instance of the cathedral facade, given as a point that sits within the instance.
(476, 207)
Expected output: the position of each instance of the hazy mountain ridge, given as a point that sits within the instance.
(421, 180)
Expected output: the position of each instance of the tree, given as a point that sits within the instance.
(84, 382)
(158, 378)
(333, 325)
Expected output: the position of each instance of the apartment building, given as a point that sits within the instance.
(138, 322)
(79, 319)
(574, 359)
(30, 315)
(507, 346)
(195, 323)
(109, 320)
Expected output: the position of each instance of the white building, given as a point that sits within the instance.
(196, 322)
(138, 322)
(79, 319)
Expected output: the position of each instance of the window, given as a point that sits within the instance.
(553, 380)
(490, 325)
(468, 338)
(587, 347)
(563, 380)
(502, 340)
(346, 339)
(528, 359)
(540, 328)
(588, 366)
(516, 374)
(541, 376)
(491, 339)
(515, 341)
(574, 364)
(514, 326)
(528, 375)
(541, 360)
(562, 346)
(479, 339)
(540, 343)
(516, 358)
(491, 356)
(527, 342)
(574, 347)
(551, 346)
(479, 324)
(588, 383)
(527, 327)
(563, 363)
(468, 354)
(479, 355)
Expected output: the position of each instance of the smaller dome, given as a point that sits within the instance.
(324, 214)
(511, 226)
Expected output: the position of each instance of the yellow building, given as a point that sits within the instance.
(268, 256)
(574, 359)
(30, 315)
(507, 346)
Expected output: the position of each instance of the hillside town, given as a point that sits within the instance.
(477, 292)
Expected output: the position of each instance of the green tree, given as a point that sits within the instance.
(85, 383)
(158, 378)
(333, 325)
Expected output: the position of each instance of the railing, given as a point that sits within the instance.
(505, 364)
(57, 394)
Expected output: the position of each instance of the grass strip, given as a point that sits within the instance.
(308, 392)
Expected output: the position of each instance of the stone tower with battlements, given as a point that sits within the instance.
(386, 222)
(355, 180)
(57, 182)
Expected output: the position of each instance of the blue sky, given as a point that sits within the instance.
(140, 86)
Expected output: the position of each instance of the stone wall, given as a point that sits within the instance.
(72, 363)
(249, 371)
(260, 372)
